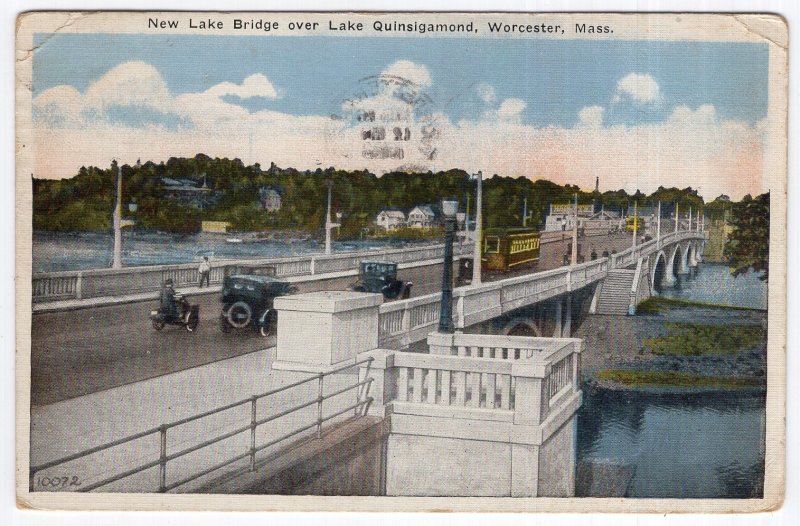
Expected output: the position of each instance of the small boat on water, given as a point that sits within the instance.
(233, 240)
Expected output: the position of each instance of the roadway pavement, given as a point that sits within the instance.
(77, 352)
(81, 351)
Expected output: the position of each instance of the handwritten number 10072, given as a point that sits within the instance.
(58, 482)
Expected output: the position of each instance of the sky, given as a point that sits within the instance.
(636, 114)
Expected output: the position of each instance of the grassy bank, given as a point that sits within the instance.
(631, 378)
(659, 304)
(691, 339)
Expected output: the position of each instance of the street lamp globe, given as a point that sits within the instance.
(449, 208)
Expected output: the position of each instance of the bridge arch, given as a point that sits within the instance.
(658, 274)
(521, 327)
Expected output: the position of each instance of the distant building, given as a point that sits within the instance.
(562, 216)
(723, 198)
(216, 227)
(390, 219)
(186, 191)
(421, 216)
(270, 198)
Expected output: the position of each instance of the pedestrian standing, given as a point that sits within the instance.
(205, 271)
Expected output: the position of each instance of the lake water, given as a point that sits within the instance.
(713, 283)
(88, 250)
(684, 445)
(708, 445)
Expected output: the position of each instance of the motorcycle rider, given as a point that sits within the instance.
(169, 306)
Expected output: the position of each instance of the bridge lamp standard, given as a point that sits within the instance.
(449, 209)
(476, 250)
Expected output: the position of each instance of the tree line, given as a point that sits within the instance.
(86, 201)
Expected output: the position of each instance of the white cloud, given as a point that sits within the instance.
(416, 73)
(253, 86)
(128, 84)
(486, 92)
(591, 116)
(511, 109)
(641, 88)
(692, 147)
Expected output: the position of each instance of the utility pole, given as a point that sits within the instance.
(676, 217)
(329, 225)
(476, 254)
(635, 220)
(658, 224)
(117, 263)
(574, 258)
(690, 219)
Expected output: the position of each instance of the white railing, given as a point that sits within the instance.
(406, 321)
(517, 379)
(51, 286)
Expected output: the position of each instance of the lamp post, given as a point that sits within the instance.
(476, 251)
(117, 263)
(449, 209)
(635, 221)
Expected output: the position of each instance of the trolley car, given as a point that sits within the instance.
(506, 248)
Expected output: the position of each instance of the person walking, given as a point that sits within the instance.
(205, 271)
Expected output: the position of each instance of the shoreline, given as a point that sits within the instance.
(618, 351)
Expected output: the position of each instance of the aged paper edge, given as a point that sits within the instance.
(727, 27)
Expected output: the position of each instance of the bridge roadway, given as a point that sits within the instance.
(82, 351)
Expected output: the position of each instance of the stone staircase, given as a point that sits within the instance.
(615, 294)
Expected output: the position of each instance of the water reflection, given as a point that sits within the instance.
(712, 283)
(707, 445)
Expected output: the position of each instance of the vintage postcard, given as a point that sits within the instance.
(401, 261)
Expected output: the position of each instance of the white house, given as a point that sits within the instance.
(390, 219)
(421, 216)
(270, 198)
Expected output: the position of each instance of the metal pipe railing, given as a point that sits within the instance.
(164, 458)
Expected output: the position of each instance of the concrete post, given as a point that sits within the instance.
(318, 331)
(567, 330)
(383, 388)
(557, 332)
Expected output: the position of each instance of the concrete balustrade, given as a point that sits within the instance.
(53, 286)
(491, 416)
(407, 321)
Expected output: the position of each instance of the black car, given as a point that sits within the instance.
(247, 301)
(381, 277)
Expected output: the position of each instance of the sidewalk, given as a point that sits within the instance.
(75, 425)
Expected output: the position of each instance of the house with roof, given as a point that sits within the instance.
(422, 216)
(270, 198)
(390, 219)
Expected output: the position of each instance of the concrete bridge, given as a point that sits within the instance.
(346, 409)
(614, 285)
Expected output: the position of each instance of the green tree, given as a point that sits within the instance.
(748, 244)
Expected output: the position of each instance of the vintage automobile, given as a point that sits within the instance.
(247, 302)
(381, 277)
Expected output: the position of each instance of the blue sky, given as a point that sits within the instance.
(636, 114)
(556, 77)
